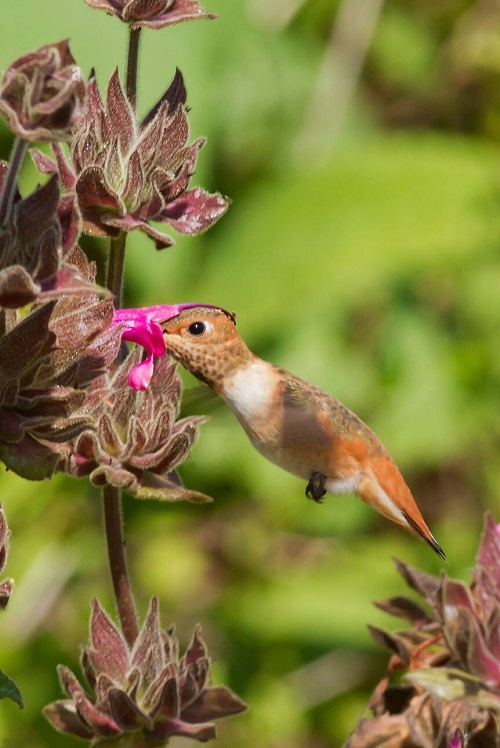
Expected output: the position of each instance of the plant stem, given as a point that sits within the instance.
(10, 184)
(132, 65)
(111, 495)
(117, 563)
(116, 262)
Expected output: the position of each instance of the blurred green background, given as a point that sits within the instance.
(359, 143)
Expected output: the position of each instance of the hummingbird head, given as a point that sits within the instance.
(205, 341)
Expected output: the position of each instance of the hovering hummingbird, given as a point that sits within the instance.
(294, 424)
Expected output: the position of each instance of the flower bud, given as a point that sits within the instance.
(153, 14)
(42, 94)
(148, 692)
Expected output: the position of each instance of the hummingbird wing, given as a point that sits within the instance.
(199, 397)
(310, 415)
(314, 428)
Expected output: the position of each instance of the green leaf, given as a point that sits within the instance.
(446, 683)
(450, 684)
(9, 690)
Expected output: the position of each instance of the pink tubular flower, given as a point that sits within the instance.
(143, 326)
(457, 739)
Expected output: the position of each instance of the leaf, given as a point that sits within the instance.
(9, 690)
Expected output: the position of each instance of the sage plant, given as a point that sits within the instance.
(449, 658)
(72, 398)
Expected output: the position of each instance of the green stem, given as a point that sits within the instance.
(116, 263)
(10, 184)
(117, 563)
(132, 66)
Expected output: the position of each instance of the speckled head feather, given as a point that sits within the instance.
(205, 341)
(207, 307)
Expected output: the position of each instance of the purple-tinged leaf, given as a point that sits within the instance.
(174, 96)
(425, 584)
(170, 727)
(403, 607)
(43, 163)
(17, 288)
(147, 654)
(487, 575)
(109, 652)
(195, 211)
(126, 712)
(213, 703)
(64, 717)
(121, 119)
(96, 198)
(465, 637)
(100, 723)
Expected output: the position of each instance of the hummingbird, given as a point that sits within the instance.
(292, 423)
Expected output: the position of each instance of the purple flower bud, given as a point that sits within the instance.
(143, 326)
(42, 94)
(148, 691)
(126, 174)
(154, 14)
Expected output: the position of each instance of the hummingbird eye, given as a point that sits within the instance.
(197, 328)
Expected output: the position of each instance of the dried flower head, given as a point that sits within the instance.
(153, 14)
(35, 243)
(134, 441)
(42, 94)
(126, 175)
(49, 358)
(451, 660)
(147, 690)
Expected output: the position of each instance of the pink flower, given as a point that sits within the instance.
(143, 326)
(457, 739)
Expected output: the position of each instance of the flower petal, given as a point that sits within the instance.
(64, 717)
(108, 651)
(194, 211)
(100, 723)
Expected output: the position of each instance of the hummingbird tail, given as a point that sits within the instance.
(386, 491)
(425, 534)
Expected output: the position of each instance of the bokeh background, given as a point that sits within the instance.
(359, 141)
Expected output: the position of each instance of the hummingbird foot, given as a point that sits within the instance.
(315, 489)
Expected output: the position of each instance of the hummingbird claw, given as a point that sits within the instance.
(315, 489)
